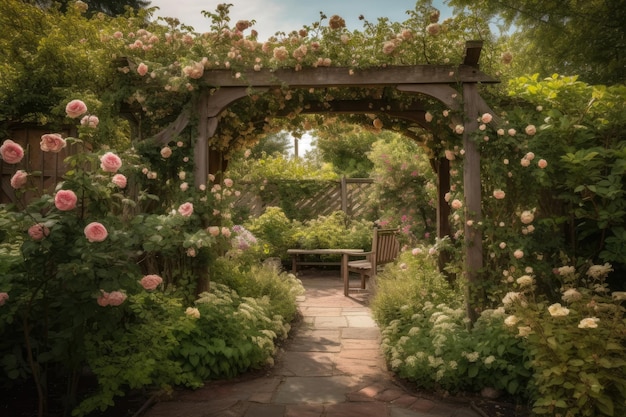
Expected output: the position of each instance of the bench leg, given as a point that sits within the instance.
(294, 264)
(344, 274)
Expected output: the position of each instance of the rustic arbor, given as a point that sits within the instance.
(440, 82)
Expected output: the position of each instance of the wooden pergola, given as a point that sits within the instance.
(440, 82)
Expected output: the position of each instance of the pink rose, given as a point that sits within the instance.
(150, 282)
(119, 180)
(518, 254)
(38, 231)
(486, 118)
(114, 298)
(95, 232)
(19, 179)
(498, 194)
(109, 162)
(65, 200)
(185, 209)
(542, 163)
(213, 231)
(75, 108)
(52, 142)
(166, 152)
(11, 152)
(142, 69)
(90, 121)
(3, 298)
(228, 182)
(226, 232)
(530, 130)
(456, 204)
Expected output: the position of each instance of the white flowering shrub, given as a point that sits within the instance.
(575, 346)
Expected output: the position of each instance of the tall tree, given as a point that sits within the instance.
(570, 37)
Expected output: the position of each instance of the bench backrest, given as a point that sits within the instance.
(385, 246)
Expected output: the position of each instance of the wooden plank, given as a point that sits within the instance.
(346, 77)
(472, 192)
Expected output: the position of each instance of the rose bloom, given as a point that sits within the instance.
(11, 152)
(166, 152)
(618, 295)
(542, 163)
(459, 129)
(524, 331)
(571, 295)
(530, 156)
(524, 281)
(65, 200)
(150, 282)
(511, 321)
(336, 22)
(506, 58)
(213, 230)
(18, 180)
(589, 323)
(193, 312)
(512, 132)
(119, 180)
(527, 217)
(185, 209)
(228, 182)
(449, 155)
(142, 69)
(502, 245)
(510, 298)
(456, 204)
(416, 251)
(52, 142)
(378, 124)
(428, 117)
(280, 53)
(109, 162)
(182, 175)
(75, 108)
(3, 298)
(498, 194)
(116, 298)
(525, 162)
(556, 310)
(38, 231)
(226, 232)
(486, 118)
(518, 254)
(500, 132)
(530, 130)
(90, 121)
(184, 186)
(433, 29)
(95, 232)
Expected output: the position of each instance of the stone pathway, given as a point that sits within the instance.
(332, 367)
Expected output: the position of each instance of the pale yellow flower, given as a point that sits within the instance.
(556, 310)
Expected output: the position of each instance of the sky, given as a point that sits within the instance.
(286, 15)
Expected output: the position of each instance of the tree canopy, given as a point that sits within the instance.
(585, 38)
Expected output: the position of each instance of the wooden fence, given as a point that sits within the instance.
(348, 194)
(46, 168)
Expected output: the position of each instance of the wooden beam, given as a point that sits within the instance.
(472, 53)
(345, 77)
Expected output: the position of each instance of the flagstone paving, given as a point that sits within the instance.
(331, 367)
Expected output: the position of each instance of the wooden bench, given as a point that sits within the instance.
(385, 249)
(296, 255)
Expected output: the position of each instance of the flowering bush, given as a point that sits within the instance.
(576, 346)
(107, 271)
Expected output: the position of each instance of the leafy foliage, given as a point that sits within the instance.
(546, 32)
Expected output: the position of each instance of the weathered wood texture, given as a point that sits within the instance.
(49, 165)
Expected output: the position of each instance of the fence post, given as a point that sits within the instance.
(344, 195)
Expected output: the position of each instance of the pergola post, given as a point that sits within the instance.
(473, 211)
